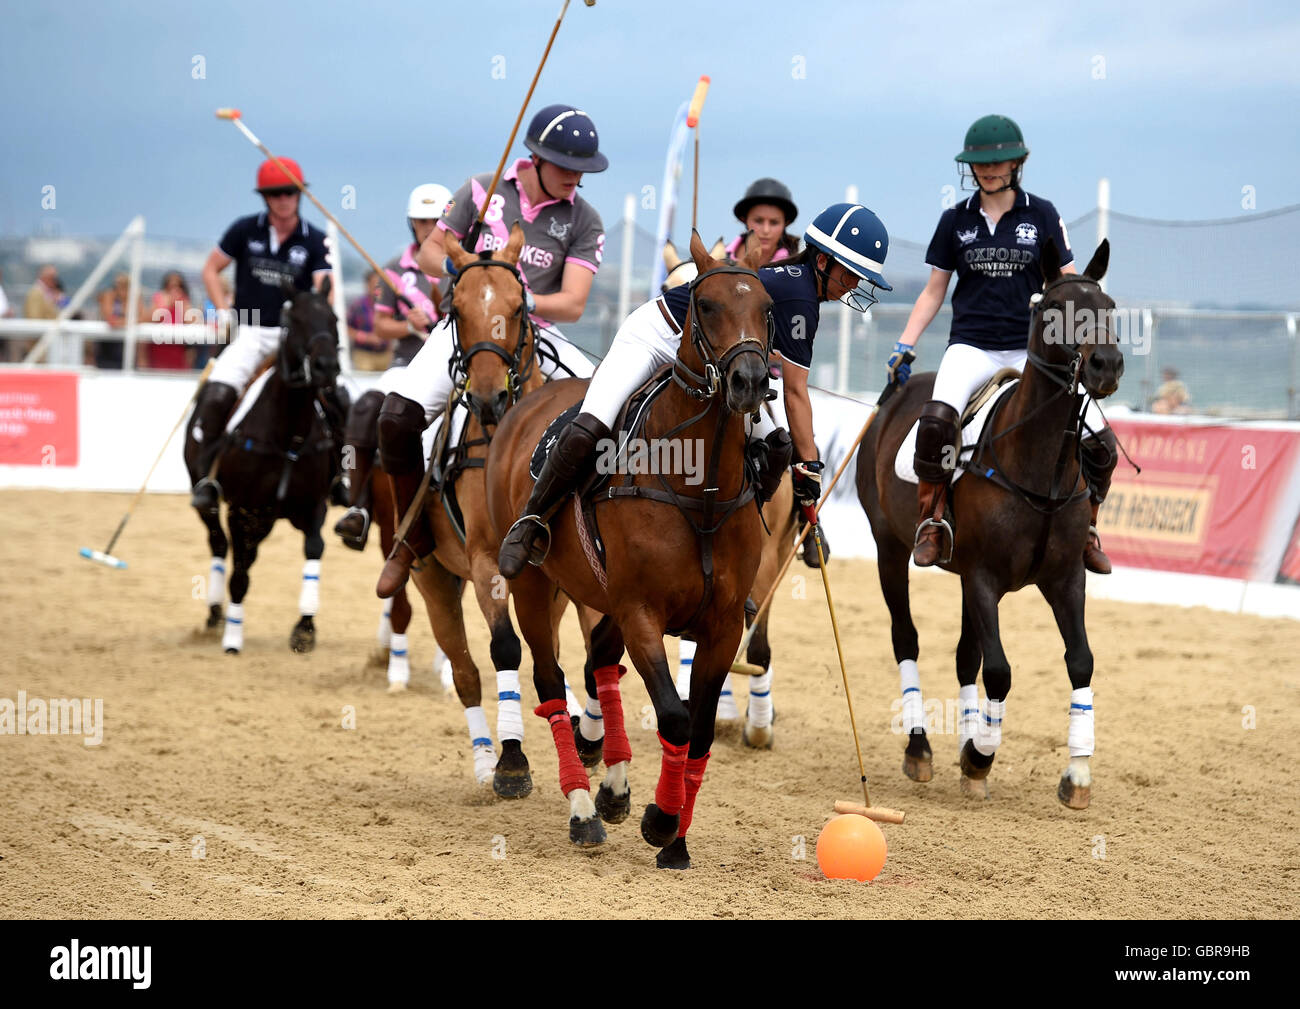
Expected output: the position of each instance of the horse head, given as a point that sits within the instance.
(728, 332)
(489, 314)
(1072, 322)
(309, 354)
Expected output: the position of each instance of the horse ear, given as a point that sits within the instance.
(1051, 261)
(514, 245)
(1096, 268)
(719, 250)
(455, 251)
(751, 255)
(671, 259)
(703, 261)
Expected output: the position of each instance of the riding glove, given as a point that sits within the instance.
(898, 368)
(806, 478)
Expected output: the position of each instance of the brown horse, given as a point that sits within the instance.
(1020, 516)
(495, 364)
(680, 570)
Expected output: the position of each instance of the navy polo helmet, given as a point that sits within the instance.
(854, 237)
(566, 136)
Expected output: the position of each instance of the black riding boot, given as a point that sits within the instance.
(336, 402)
(401, 422)
(1098, 457)
(935, 461)
(203, 441)
(570, 461)
(361, 436)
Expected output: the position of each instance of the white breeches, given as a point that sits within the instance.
(240, 359)
(426, 379)
(965, 368)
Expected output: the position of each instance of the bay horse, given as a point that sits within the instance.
(782, 526)
(276, 463)
(494, 363)
(1019, 518)
(679, 570)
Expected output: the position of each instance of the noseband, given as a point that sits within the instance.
(706, 386)
(299, 376)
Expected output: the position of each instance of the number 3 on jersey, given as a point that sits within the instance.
(494, 212)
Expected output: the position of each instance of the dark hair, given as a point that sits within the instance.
(180, 278)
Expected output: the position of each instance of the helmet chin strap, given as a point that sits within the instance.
(1012, 182)
(537, 170)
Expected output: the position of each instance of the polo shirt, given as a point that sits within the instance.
(262, 263)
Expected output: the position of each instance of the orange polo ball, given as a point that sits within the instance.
(851, 847)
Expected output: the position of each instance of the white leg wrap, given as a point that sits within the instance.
(485, 758)
(571, 701)
(727, 709)
(1081, 724)
(510, 719)
(442, 666)
(685, 660)
(309, 598)
(759, 715)
(384, 635)
(399, 663)
(592, 723)
(233, 636)
(968, 717)
(217, 582)
(909, 678)
(988, 734)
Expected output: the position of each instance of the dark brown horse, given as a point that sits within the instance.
(681, 570)
(1020, 516)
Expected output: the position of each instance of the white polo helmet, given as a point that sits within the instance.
(427, 202)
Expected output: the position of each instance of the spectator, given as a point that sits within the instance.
(369, 352)
(1172, 396)
(6, 310)
(169, 352)
(113, 310)
(42, 302)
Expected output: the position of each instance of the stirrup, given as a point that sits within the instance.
(537, 553)
(943, 525)
(357, 542)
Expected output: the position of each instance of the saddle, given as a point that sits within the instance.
(986, 392)
(974, 420)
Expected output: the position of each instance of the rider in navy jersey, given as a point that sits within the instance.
(993, 241)
(846, 245)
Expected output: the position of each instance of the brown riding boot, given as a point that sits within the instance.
(417, 545)
(1094, 558)
(933, 535)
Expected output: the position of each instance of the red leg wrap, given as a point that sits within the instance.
(670, 793)
(572, 773)
(694, 778)
(617, 747)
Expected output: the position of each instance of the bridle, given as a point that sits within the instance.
(704, 387)
(299, 376)
(519, 363)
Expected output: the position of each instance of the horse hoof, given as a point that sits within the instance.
(674, 856)
(215, 618)
(1072, 795)
(756, 738)
(397, 687)
(974, 788)
(303, 637)
(232, 651)
(613, 808)
(659, 828)
(589, 750)
(918, 768)
(973, 763)
(586, 833)
(511, 779)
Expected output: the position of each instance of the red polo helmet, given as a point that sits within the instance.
(272, 176)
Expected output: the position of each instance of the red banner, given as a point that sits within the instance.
(38, 418)
(1291, 561)
(1210, 500)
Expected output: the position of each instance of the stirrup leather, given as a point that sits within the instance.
(948, 539)
(537, 552)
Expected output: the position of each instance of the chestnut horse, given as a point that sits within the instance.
(683, 569)
(494, 364)
(1020, 517)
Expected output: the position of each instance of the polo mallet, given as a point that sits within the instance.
(748, 668)
(693, 122)
(472, 237)
(105, 556)
(236, 117)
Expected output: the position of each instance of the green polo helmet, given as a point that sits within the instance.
(993, 138)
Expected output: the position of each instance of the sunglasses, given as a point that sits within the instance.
(286, 191)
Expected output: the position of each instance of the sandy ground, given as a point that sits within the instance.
(245, 761)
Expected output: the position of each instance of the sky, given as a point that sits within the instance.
(1181, 105)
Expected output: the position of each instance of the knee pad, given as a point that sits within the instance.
(779, 450)
(363, 421)
(936, 442)
(401, 421)
(1098, 455)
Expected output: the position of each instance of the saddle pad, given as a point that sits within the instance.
(250, 397)
(970, 435)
